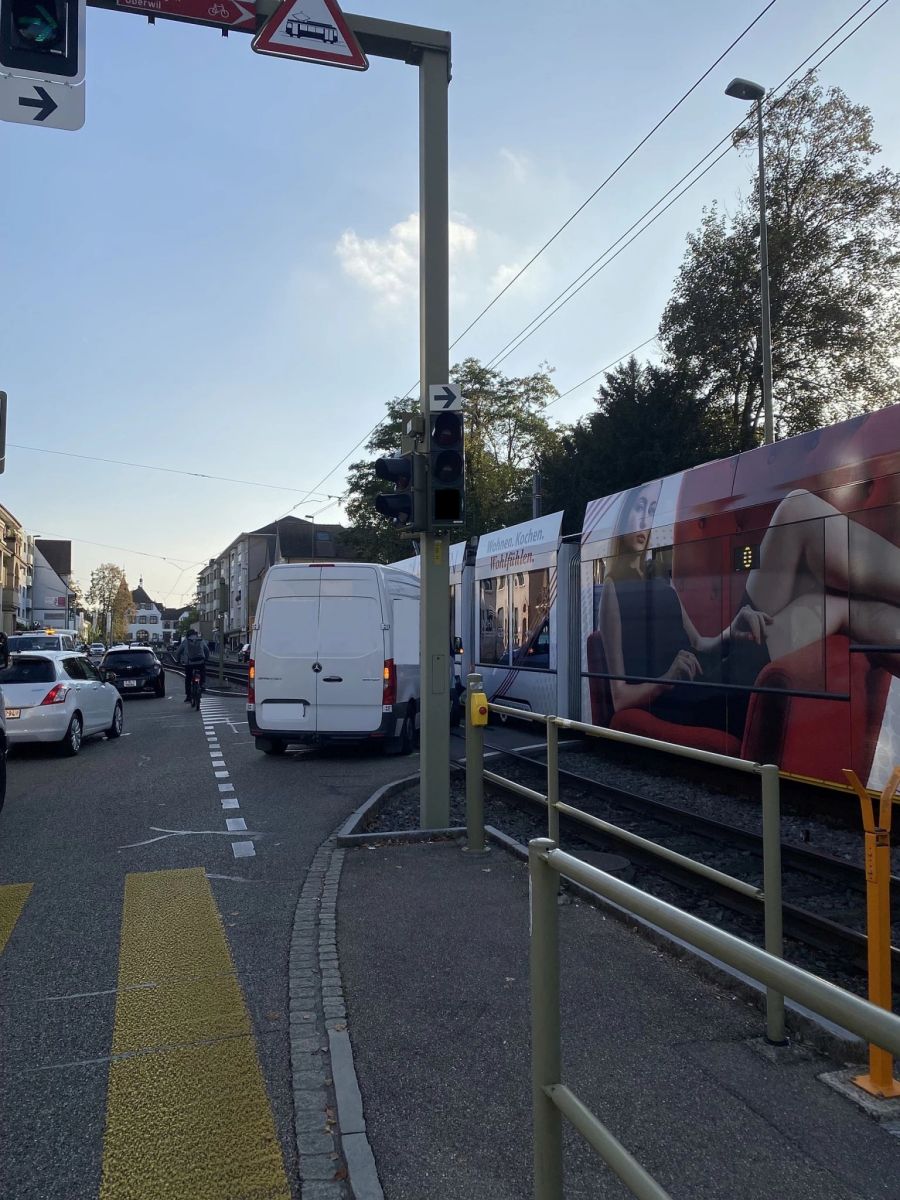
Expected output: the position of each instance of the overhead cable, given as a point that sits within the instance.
(593, 269)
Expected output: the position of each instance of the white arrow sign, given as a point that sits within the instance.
(444, 397)
(34, 102)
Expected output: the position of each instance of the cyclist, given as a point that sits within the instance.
(193, 652)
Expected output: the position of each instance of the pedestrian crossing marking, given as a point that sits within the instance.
(187, 1112)
(12, 901)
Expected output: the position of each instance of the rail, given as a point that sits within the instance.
(551, 1099)
(770, 789)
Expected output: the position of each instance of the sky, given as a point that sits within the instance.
(218, 273)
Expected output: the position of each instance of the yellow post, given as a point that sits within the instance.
(880, 1080)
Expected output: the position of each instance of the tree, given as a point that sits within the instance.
(833, 221)
(507, 432)
(650, 421)
(122, 611)
(106, 581)
(189, 620)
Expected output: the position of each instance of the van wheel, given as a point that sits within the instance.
(271, 745)
(404, 743)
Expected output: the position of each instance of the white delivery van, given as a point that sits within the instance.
(334, 655)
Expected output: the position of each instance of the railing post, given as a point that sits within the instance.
(879, 1080)
(552, 780)
(771, 826)
(545, 1038)
(474, 771)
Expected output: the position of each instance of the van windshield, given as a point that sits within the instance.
(19, 643)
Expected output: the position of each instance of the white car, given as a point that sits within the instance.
(96, 651)
(58, 696)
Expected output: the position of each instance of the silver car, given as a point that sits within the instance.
(58, 696)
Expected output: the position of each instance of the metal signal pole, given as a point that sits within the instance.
(434, 368)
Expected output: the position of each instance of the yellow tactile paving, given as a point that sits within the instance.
(12, 901)
(187, 1112)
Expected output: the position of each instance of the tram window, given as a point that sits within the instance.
(533, 631)
(493, 610)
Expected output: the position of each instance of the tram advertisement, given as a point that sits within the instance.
(751, 606)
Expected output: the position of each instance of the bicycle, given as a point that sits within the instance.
(196, 689)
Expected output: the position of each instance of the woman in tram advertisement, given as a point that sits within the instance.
(797, 594)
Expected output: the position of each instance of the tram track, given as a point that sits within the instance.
(824, 896)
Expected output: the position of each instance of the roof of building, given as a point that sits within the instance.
(172, 614)
(139, 596)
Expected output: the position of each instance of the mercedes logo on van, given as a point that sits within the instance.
(317, 667)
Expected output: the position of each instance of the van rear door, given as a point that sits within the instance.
(286, 682)
(351, 651)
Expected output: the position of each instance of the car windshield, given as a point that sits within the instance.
(28, 670)
(18, 644)
(129, 658)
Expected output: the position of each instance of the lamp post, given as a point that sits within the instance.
(312, 535)
(745, 89)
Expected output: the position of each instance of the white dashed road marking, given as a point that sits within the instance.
(236, 825)
(243, 849)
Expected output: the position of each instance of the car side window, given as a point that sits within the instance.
(74, 668)
(90, 671)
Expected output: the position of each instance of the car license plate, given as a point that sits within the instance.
(129, 683)
(12, 713)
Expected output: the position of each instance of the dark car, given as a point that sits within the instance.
(136, 671)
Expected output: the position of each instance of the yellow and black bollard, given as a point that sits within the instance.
(880, 1079)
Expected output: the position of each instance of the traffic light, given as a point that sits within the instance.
(403, 507)
(43, 39)
(447, 473)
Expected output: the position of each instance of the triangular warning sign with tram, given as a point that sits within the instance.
(312, 30)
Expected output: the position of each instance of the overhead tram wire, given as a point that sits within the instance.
(609, 366)
(562, 227)
(170, 470)
(772, 100)
(615, 171)
(727, 137)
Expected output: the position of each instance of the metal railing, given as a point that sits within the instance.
(770, 790)
(552, 1099)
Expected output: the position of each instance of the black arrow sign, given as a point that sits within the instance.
(448, 395)
(46, 104)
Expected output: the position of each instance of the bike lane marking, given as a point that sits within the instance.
(187, 1110)
(12, 900)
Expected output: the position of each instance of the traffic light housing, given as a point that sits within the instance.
(43, 39)
(447, 471)
(403, 507)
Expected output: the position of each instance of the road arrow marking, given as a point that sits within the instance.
(46, 104)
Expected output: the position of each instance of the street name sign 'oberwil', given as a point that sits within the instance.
(311, 30)
(226, 14)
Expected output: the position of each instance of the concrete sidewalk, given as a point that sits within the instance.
(433, 951)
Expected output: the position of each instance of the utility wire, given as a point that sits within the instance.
(124, 549)
(584, 278)
(727, 137)
(609, 366)
(597, 190)
(562, 227)
(169, 470)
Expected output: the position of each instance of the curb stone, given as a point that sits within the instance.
(333, 1152)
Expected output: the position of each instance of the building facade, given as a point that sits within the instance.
(146, 624)
(16, 573)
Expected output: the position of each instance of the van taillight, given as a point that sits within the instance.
(389, 693)
(251, 684)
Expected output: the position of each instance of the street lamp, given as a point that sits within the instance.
(745, 89)
(312, 535)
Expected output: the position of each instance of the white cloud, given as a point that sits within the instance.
(389, 266)
(519, 164)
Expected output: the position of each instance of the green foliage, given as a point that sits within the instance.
(507, 432)
(190, 619)
(833, 220)
(650, 421)
(106, 582)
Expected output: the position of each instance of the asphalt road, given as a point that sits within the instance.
(137, 1060)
